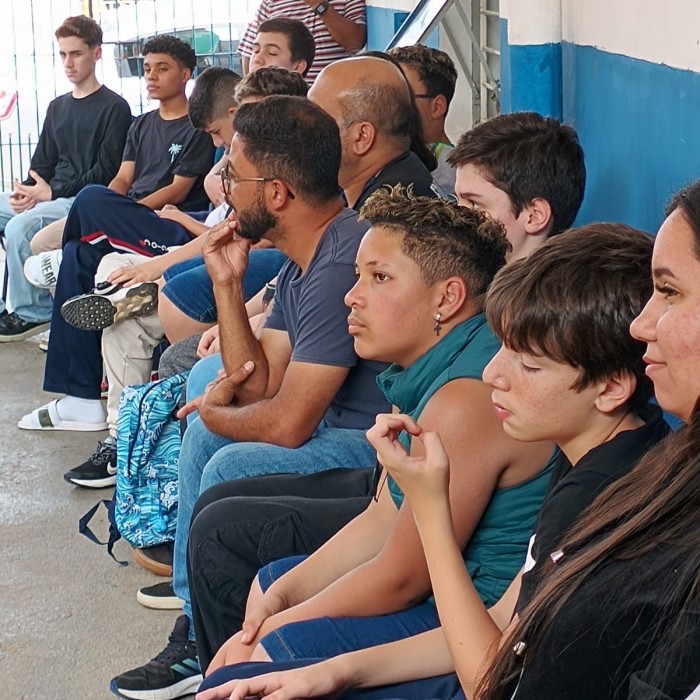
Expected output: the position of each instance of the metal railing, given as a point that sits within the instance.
(31, 74)
(472, 32)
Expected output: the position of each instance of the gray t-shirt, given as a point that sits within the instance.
(311, 309)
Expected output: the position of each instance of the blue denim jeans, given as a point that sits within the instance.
(202, 373)
(325, 637)
(207, 459)
(189, 286)
(444, 687)
(29, 302)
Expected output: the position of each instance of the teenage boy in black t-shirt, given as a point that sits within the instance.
(163, 151)
(81, 142)
(166, 159)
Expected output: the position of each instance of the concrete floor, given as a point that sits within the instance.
(69, 620)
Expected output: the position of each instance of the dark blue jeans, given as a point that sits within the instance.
(99, 222)
(325, 637)
(438, 687)
(189, 286)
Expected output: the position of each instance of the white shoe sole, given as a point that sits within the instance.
(187, 686)
(95, 483)
(47, 418)
(160, 602)
(26, 334)
(95, 312)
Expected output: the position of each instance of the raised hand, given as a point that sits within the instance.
(422, 478)
(226, 253)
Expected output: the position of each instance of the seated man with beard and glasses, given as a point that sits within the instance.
(297, 398)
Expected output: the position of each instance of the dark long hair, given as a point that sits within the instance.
(656, 504)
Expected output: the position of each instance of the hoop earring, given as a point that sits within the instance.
(438, 326)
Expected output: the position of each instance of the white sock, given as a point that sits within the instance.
(73, 409)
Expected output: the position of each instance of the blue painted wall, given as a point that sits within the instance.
(530, 77)
(383, 23)
(380, 27)
(637, 122)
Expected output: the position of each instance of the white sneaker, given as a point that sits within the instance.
(42, 270)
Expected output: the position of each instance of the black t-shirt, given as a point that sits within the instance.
(610, 639)
(572, 489)
(407, 169)
(161, 149)
(81, 142)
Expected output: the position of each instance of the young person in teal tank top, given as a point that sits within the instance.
(423, 270)
(494, 553)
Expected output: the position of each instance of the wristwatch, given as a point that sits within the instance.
(321, 8)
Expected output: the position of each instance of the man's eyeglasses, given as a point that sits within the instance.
(424, 96)
(228, 176)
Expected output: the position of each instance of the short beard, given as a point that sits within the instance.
(256, 221)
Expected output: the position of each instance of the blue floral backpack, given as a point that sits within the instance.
(144, 508)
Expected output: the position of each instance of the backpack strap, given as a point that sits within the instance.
(114, 536)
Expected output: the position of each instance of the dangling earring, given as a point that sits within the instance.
(438, 326)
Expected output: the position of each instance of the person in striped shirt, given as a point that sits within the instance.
(339, 28)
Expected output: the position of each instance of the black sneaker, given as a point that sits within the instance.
(160, 596)
(100, 470)
(13, 328)
(109, 303)
(174, 673)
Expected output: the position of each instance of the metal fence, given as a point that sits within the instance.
(31, 74)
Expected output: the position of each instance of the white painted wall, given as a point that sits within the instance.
(651, 30)
(533, 21)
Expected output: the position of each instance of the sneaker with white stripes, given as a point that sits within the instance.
(174, 673)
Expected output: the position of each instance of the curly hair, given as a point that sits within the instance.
(444, 240)
(271, 81)
(180, 50)
(435, 68)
